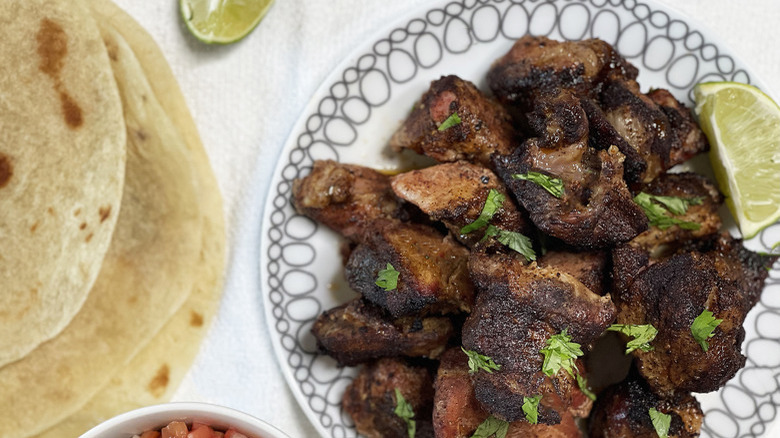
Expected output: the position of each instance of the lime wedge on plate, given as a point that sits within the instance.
(743, 127)
(222, 21)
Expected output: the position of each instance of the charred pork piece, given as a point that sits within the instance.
(689, 138)
(457, 413)
(539, 63)
(346, 197)
(432, 270)
(590, 268)
(482, 126)
(455, 193)
(595, 208)
(659, 129)
(371, 399)
(719, 276)
(518, 308)
(602, 135)
(643, 125)
(623, 410)
(359, 331)
(754, 267)
(705, 215)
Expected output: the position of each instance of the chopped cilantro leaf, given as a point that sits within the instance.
(404, 410)
(553, 185)
(703, 327)
(480, 362)
(513, 240)
(387, 278)
(493, 202)
(676, 204)
(451, 121)
(657, 212)
(531, 408)
(560, 353)
(491, 427)
(642, 335)
(661, 422)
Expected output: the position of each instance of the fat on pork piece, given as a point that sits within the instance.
(359, 331)
(482, 126)
(455, 193)
(432, 270)
(371, 399)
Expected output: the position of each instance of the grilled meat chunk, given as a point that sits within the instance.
(642, 124)
(518, 308)
(359, 331)
(595, 210)
(484, 126)
(457, 413)
(623, 410)
(370, 399)
(687, 186)
(433, 275)
(454, 193)
(720, 276)
(346, 197)
(590, 268)
(689, 138)
(602, 135)
(659, 130)
(536, 64)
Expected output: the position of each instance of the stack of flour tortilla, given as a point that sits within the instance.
(111, 223)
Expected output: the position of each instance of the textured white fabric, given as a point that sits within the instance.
(245, 99)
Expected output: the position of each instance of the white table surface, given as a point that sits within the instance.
(245, 99)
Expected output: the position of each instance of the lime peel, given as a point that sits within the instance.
(743, 127)
(222, 21)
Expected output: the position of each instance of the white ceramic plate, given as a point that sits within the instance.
(352, 115)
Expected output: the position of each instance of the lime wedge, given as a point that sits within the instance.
(743, 127)
(222, 21)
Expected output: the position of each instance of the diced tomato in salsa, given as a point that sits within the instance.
(179, 429)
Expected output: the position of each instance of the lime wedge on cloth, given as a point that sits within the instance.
(222, 21)
(743, 127)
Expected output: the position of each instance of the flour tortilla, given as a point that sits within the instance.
(154, 374)
(148, 272)
(62, 167)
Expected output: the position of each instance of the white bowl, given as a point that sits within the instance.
(155, 417)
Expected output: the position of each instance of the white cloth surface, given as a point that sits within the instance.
(245, 99)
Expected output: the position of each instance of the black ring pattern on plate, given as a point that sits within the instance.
(667, 45)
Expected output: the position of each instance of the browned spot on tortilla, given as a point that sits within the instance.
(113, 51)
(140, 134)
(77, 212)
(143, 97)
(89, 237)
(160, 380)
(52, 49)
(34, 227)
(196, 319)
(83, 225)
(104, 213)
(6, 170)
(71, 110)
(50, 210)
